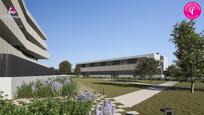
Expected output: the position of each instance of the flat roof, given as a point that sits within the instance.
(120, 58)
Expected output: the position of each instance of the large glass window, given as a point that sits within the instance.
(103, 63)
(97, 64)
(83, 65)
(132, 61)
(87, 65)
(122, 62)
(109, 63)
(116, 62)
(92, 65)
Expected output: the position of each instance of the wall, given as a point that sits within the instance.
(17, 81)
(5, 86)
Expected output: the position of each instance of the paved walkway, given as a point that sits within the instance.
(137, 97)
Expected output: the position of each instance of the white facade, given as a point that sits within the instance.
(123, 65)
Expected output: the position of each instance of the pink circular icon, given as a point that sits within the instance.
(192, 10)
(12, 10)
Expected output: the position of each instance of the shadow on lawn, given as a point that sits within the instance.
(122, 85)
(145, 86)
(184, 88)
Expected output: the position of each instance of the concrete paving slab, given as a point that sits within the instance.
(122, 106)
(117, 114)
(137, 97)
(132, 113)
(119, 110)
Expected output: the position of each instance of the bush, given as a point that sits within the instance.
(50, 106)
(86, 96)
(49, 88)
(25, 90)
(42, 89)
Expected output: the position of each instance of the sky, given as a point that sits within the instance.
(87, 30)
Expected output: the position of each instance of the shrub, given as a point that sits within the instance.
(49, 88)
(25, 90)
(68, 90)
(50, 106)
(86, 96)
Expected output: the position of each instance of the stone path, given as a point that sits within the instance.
(99, 99)
(137, 97)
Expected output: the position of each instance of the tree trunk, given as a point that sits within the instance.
(192, 85)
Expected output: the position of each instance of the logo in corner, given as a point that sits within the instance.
(12, 10)
(192, 10)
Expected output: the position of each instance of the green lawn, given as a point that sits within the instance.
(141, 81)
(112, 89)
(153, 81)
(199, 85)
(183, 103)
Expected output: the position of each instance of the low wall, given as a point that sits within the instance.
(6, 86)
(126, 76)
(9, 84)
(101, 76)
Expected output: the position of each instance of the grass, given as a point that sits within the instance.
(198, 85)
(182, 102)
(154, 82)
(111, 88)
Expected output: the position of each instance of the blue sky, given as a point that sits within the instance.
(84, 30)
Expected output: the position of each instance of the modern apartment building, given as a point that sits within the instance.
(22, 42)
(119, 66)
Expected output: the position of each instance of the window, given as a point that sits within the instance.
(92, 65)
(103, 63)
(132, 61)
(87, 65)
(116, 62)
(122, 62)
(83, 65)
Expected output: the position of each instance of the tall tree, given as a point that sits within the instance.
(65, 67)
(77, 71)
(148, 67)
(189, 50)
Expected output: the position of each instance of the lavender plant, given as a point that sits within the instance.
(47, 88)
(86, 96)
(106, 109)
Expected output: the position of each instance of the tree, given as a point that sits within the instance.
(52, 69)
(189, 50)
(87, 74)
(173, 71)
(148, 67)
(65, 67)
(77, 71)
